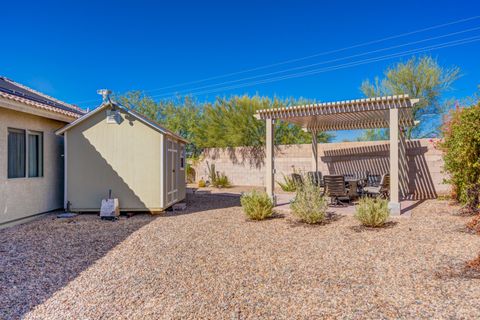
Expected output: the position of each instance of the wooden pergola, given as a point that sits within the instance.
(393, 112)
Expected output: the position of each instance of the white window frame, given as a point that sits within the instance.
(41, 156)
(29, 132)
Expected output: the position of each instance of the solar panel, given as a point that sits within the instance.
(11, 88)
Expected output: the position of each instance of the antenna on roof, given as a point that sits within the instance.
(105, 93)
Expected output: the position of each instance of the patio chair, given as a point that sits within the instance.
(362, 177)
(297, 179)
(316, 178)
(373, 180)
(335, 189)
(382, 190)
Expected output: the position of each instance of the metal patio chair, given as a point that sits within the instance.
(316, 178)
(382, 190)
(297, 179)
(336, 190)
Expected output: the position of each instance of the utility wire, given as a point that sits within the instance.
(318, 54)
(309, 56)
(316, 64)
(343, 66)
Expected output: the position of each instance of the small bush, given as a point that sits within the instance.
(190, 173)
(461, 146)
(372, 212)
(217, 179)
(309, 205)
(257, 205)
(288, 184)
(474, 264)
(474, 224)
(221, 181)
(202, 183)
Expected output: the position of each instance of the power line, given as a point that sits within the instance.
(319, 54)
(316, 64)
(309, 56)
(344, 66)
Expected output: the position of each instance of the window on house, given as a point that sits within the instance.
(16, 153)
(35, 154)
(25, 153)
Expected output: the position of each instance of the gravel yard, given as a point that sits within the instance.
(209, 262)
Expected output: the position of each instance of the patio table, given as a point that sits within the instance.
(352, 185)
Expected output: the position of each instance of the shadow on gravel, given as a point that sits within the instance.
(458, 270)
(40, 257)
(200, 202)
(387, 225)
(331, 217)
(275, 216)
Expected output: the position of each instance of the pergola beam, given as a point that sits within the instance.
(269, 154)
(390, 112)
(314, 150)
(394, 204)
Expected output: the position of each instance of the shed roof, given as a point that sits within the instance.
(345, 115)
(153, 124)
(18, 92)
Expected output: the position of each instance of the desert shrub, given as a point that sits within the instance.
(190, 173)
(221, 181)
(372, 212)
(217, 179)
(288, 184)
(474, 224)
(461, 146)
(309, 204)
(474, 264)
(257, 205)
(202, 183)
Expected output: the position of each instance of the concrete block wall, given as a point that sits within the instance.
(245, 165)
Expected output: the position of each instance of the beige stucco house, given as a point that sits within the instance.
(31, 155)
(115, 148)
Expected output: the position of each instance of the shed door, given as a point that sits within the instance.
(172, 171)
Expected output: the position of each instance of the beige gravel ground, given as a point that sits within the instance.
(209, 262)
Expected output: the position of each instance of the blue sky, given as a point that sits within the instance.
(69, 50)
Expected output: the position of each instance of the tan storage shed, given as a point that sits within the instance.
(115, 148)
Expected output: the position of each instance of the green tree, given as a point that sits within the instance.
(461, 145)
(419, 77)
(223, 123)
(374, 135)
(231, 122)
(141, 103)
(182, 116)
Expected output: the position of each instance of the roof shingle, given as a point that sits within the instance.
(18, 92)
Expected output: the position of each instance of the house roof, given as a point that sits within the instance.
(153, 124)
(345, 115)
(17, 92)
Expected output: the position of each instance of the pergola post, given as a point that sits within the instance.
(314, 151)
(394, 204)
(269, 153)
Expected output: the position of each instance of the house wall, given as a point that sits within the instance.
(245, 166)
(124, 157)
(24, 197)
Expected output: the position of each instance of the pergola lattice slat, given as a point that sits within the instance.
(393, 112)
(350, 114)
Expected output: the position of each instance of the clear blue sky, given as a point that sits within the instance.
(70, 50)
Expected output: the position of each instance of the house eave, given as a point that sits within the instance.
(34, 110)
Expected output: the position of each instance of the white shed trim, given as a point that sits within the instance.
(134, 114)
